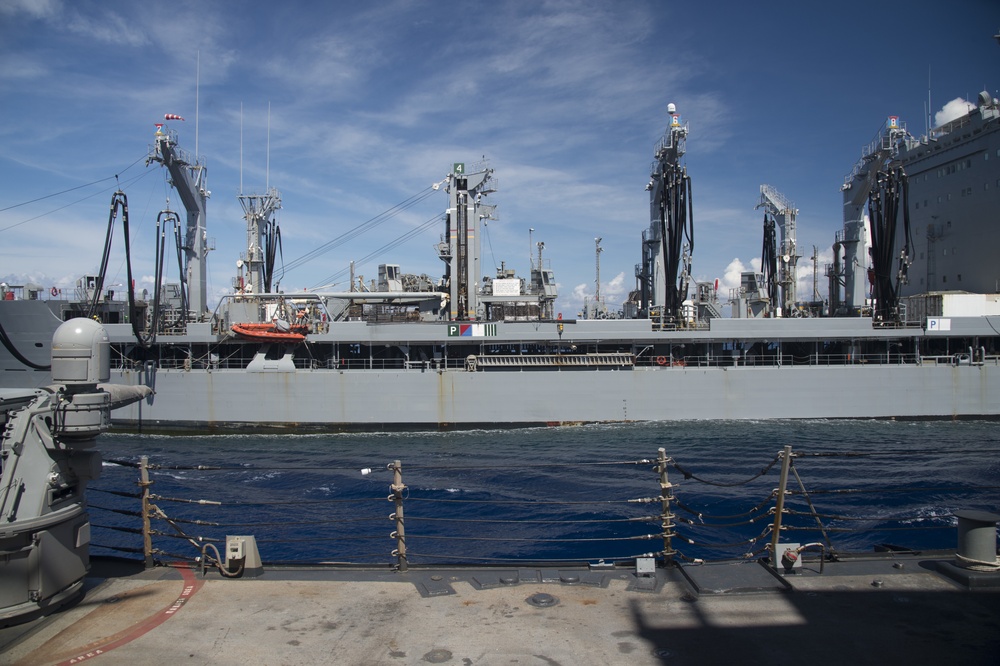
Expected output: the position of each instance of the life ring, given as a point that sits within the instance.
(661, 360)
(54, 291)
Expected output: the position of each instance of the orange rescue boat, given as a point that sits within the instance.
(264, 332)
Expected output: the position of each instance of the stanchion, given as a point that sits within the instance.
(397, 488)
(147, 539)
(666, 517)
(779, 506)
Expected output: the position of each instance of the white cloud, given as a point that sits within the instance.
(731, 275)
(16, 66)
(615, 291)
(613, 294)
(956, 108)
(105, 26)
(33, 8)
(108, 27)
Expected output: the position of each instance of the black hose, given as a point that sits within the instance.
(891, 189)
(118, 200)
(769, 260)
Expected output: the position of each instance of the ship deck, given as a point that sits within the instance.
(883, 608)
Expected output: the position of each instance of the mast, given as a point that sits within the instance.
(665, 271)
(784, 212)
(263, 235)
(597, 281)
(189, 178)
(460, 249)
(258, 210)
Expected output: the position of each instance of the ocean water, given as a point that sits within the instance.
(550, 494)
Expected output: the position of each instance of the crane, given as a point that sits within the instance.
(188, 177)
(783, 212)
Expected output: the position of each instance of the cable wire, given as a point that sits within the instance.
(690, 475)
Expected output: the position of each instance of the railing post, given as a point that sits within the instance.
(397, 488)
(779, 505)
(144, 484)
(666, 518)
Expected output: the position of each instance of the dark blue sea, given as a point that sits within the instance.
(550, 494)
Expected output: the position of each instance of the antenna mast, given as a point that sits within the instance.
(816, 274)
(197, 90)
(241, 147)
(597, 243)
(531, 251)
(267, 167)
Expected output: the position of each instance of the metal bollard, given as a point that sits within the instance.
(977, 540)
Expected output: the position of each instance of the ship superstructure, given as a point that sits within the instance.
(954, 175)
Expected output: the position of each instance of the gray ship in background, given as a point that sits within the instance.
(911, 327)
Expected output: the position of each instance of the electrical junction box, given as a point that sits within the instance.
(645, 566)
(235, 548)
(242, 557)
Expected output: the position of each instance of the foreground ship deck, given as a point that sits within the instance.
(864, 610)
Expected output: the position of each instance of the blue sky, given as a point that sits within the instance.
(371, 105)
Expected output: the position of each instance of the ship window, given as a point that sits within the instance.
(918, 205)
(949, 224)
(959, 277)
(944, 278)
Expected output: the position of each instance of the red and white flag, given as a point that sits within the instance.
(171, 116)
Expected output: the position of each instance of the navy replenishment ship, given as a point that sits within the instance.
(911, 327)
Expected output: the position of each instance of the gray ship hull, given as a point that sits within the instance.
(393, 399)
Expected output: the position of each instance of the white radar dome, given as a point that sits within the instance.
(80, 353)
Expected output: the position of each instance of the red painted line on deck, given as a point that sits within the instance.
(191, 585)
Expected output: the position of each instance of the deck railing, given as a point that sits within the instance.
(465, 513)
(575, 362)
